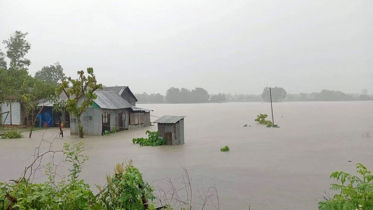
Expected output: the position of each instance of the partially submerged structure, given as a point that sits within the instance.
(171, 128)
(110, 112)
(12, 112)
(113, 109)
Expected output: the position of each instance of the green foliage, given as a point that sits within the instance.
(17, 47)
(76, 89)
(126, 189)
(12, 134)
(225, 149)
(52, 74)
(261, 119)
(354, 192)
(3, 64)
(106, 132)
(113, 130)
(67, 194)
(152, 140)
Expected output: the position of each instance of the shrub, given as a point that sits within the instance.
(261, 119)
(106, 132)
(113, 130)
(125, 190)
(152, 140)
(12, 134)
(354, 192)
(225, 149)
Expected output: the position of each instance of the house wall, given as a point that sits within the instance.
(114, 119)
(168, 128)
(15, 117)
(128, 95)
(181, 129)
(139, 119)
(91, 122)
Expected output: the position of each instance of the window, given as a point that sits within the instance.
(105, 117)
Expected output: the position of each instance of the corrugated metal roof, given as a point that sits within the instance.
(110, 100)
(138, 109)
(169, 119)
(118, 89)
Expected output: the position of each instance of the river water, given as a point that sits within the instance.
(266, 168)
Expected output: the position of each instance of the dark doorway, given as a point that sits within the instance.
(168, 137)
(120, 117)
(105, 122)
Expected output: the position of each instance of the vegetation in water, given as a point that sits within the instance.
(12, 134)
(354, 192)
(126, 189)
(225, 149)
(153, 139)
(261, 119)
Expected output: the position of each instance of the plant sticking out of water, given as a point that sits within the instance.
(12, 134)
(153, 139)
(261, 119)
(225, 149)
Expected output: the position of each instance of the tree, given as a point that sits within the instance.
(172, 95)
(76, 89)
(2, 61)
(35, 90)
(52, 74)
(17, 47)
(278, 94)
(200, 95)
(218, 98)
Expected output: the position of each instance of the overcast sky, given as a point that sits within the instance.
(224, 46)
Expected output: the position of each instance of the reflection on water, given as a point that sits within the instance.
(266, 168)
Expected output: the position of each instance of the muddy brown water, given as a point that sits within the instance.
(266, 168)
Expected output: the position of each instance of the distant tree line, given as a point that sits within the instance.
(279, 94)
(182, 95)
(329, 95)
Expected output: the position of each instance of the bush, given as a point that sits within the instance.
(113, 130)
(354, 192)
(12, 134)
(261, 119)
(152, 140)
(125, 190)
(225, 149)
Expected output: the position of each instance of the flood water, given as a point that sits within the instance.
(266, 168)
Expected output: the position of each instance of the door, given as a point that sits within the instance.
(120, 117)
(105, 122)
(168, 137)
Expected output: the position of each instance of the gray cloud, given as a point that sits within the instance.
(224, 46)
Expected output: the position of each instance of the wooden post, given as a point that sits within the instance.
(270, 94)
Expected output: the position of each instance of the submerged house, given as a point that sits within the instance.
(12, 112)
(111, 111)
(171, 128)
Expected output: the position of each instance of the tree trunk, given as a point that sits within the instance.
(81, 133)
(33, 120)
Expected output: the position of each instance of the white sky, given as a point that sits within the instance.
(225, 46)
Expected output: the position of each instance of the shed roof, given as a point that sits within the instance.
(169, 119)
(110, 100)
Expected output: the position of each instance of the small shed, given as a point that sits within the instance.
(172, 129)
